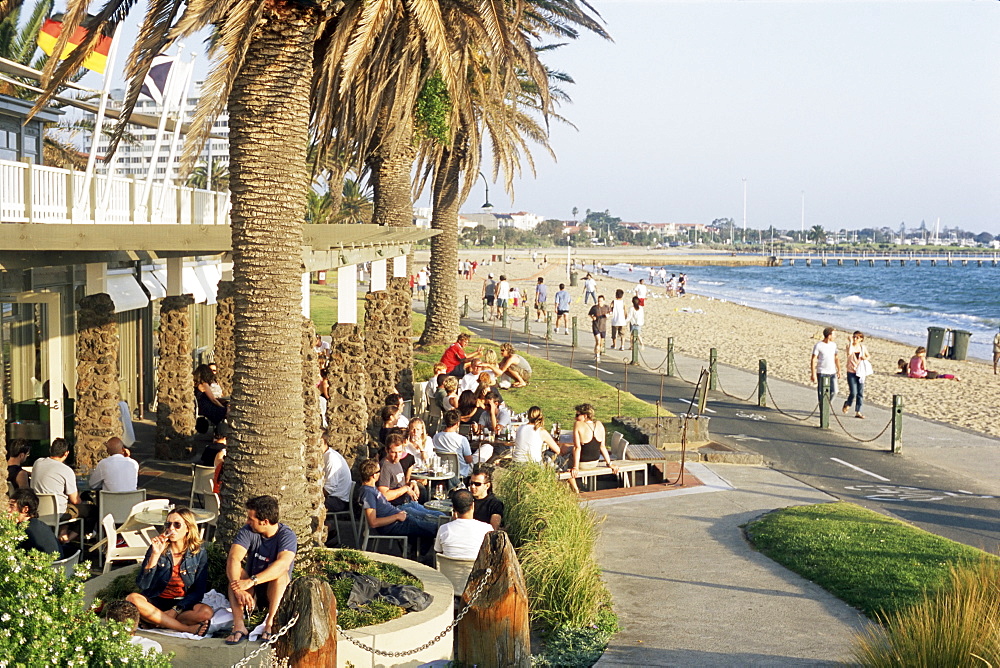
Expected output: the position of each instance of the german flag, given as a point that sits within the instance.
(97, 61)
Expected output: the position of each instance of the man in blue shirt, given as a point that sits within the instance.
(562, 308)
(541, 296)
(269, 549)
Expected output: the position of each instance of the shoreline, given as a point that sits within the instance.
(743, 334)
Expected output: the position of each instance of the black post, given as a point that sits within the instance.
(762, 383)
(897, 423)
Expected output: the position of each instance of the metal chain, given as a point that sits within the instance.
(438, 637)
(718, 378)
(800, 419)
(849, 434)
(284, 629)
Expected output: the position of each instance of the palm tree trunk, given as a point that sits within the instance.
(268, 120)
(442, 323)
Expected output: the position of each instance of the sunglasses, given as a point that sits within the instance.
(173, 525)
(476, 484)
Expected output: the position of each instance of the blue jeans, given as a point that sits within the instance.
(419, 522)
(819, 386)
(856, 388)
(591, 295)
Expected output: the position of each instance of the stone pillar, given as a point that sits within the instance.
(175, 411)
(399, 288)
(98, 416)
(347, 410)
(381, 324)
(225, 350)
(314, 429)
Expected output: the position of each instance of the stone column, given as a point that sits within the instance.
(98, 416)
(314, 427)
(347, 410)
(225, 350)
(175, 411)
(399, 288)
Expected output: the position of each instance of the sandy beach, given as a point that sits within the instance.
(744, 335)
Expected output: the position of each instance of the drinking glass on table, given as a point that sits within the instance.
(439, 492)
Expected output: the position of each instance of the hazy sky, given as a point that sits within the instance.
(881, 112)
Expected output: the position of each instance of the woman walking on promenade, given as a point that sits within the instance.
(636, 319)
(858, 368)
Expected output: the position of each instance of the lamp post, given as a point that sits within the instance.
(744, 208)
(486, 205)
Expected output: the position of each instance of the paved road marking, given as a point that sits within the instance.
(688, 401)
(859, 469)
(601, 370)
(744, 437)
(532, 345)
(475, 329)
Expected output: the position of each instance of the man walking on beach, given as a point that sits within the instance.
(562, 308)
(490, 293)
(618, 320)
(996, 352)
(541, 296)
(599, 317)
(640, 291)
(589, 289)
(825, 363)
(503, 294)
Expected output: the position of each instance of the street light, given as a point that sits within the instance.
(486, 205)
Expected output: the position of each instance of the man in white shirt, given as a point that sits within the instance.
(336, 479)
(503, 294)
(470, 381)
(640, 291)
(463, 536)
(589, 289)
(618, 320)
(117, 472)
(825, 363)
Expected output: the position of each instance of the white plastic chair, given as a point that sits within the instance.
(48, 513)
(202, 482)
(135, 544)
(213, 505)
(119, 505)
(336, 515)
(456, 570)
(367, 536)
(68, 564)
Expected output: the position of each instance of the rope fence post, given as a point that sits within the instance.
(671, 366)
(465, 307)
(713, 375)
(574, 332)
(635, 348)
(527, 321)
(762, 383)
(625, 370)
(548, 326)
(824, 402)
(503, 319)
(658, 402)
(484, 309)
(897, 423)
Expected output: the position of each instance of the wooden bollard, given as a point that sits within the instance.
(496, 630)
(312, 642)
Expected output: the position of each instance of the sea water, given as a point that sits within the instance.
(896, 303)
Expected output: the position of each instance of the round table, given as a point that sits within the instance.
(431, 476)
(443, 505)
(158, 517)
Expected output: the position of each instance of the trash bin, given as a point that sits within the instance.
(960, 344)
(935, 341)
(572, 279)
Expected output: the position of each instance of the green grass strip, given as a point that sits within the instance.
(874, 563)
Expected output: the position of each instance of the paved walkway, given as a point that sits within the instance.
(698, 594)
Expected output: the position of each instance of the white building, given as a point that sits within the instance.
(522, 220)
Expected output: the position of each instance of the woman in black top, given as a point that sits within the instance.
(17, 451)
(588, 442)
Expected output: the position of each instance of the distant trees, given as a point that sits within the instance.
(817, 234)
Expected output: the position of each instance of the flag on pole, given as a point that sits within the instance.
(154, 86)
(49, 34)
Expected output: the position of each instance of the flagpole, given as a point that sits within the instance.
(99, 122)
(142, 211)
(181, 108)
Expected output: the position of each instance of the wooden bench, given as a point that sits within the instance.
(624, 468)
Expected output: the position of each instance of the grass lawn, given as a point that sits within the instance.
(875, 563)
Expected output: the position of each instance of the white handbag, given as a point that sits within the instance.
(864, 369)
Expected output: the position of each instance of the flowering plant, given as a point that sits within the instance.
(43, 621)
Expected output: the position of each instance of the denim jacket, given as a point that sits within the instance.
(193, 572)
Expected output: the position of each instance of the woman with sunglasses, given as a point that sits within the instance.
(173, 578)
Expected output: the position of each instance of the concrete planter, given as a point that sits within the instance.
(406, 633)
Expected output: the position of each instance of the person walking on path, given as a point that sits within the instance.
(562, 300)
(856, 354)
(503, 294)
(541, 296)
(996, 352)
(599, 324)
(636, 319)
(589, 289)
(825, 363)
(618, 320)
(490, 294)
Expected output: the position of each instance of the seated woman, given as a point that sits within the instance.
(469, 413)
(514, 366)
(447, 393)
(395, 401)
(532, 440)
(210, 406)
(173, 578)
(418, 443)
(18, 450)
(588, 443)
(917, 367)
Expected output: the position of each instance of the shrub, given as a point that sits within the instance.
(43, 620)
(957, 626)
(554, 538)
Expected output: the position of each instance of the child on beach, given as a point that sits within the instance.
(917, 367)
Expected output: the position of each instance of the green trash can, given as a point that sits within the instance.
(960, 344)
(935, 341)
(572, 279)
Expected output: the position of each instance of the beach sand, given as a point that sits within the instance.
(743, 335)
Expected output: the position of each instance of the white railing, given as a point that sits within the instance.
(37, 194)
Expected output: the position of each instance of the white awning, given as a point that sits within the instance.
(202, 281)
(155, 280)
(126, 292)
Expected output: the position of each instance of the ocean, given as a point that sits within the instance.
(896, 303)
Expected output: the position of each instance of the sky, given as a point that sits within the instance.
(879, 112)
(873, 113)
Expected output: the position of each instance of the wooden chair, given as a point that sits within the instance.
(367, 536)
(202, 482)
(67, 564)
(456, 570)
(336, 515)
(48, 513)
(135, 544)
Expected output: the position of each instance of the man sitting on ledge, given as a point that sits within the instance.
(269, 548)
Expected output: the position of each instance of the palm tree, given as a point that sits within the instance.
(356, 203)
(282, 68)
(575, 211)
(198, 178)
(817, 235)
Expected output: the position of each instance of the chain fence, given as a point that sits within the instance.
(268, 661)
(774, 405)
(437, 638)
(718, 378)
(849, 434)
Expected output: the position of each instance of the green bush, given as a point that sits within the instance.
(43, 620)
(554, 538)
(958, 626)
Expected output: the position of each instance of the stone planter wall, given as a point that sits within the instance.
(668, 437)
(347, 410)
(97, 393)
(175, 412)
(225, 349)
